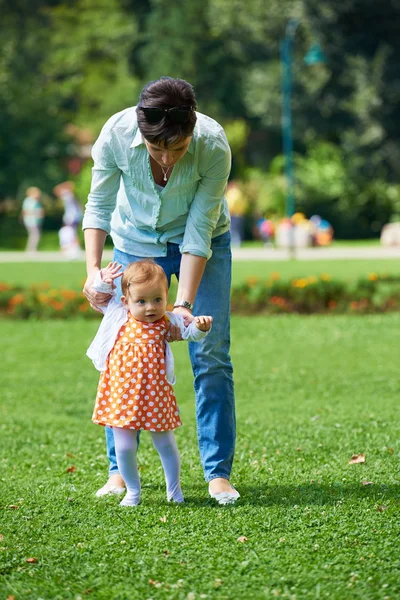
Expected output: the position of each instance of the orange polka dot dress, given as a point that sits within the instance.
(133, 391)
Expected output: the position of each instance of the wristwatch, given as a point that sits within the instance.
(184, 304)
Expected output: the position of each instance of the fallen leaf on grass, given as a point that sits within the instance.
(13, 506)
(31, 560)
(70, 455)
(367, 482)
(242, 539)
(10, 598)
(71, 469)
(155, 583)
(218, 582)
(163, 519)
(1, 537)
(381, 508)
(356, 459)
(390, 450)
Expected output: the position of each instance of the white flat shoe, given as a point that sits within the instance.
(225, 497)
(109, 489)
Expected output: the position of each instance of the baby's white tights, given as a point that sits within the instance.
(126, 447)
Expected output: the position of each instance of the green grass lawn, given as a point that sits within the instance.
(311, 391)
(72, 274)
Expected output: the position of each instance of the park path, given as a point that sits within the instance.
(239, 254)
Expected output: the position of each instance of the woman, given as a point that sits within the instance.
(159, 178)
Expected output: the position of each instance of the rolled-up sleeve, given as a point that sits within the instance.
(205, 209)
(105, 184)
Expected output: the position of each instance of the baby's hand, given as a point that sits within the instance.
(110, 272)
(203, 323)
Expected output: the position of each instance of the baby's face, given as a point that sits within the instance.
(147, 302)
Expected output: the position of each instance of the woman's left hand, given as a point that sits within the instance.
(174, 331)
(185, 313)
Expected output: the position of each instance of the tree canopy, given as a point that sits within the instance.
(79, 61)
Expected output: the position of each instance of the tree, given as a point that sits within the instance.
(32, 141)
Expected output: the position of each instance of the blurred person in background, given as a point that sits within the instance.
(32, 216)
(158, 186)
(68, 234)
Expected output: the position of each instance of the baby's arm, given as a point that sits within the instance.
(195, 331)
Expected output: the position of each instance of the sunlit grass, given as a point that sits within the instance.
(72, 274)
(310, 393)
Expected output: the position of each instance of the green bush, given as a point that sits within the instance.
(333, 185)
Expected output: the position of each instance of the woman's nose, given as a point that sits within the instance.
(166, 159)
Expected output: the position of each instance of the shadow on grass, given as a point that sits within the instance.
(303, 494)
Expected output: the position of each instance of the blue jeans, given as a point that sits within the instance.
(211, 363)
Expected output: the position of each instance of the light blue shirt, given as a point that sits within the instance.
(141, 218)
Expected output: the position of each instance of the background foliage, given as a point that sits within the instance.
(75, 62)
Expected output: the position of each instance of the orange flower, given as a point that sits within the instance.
(275, 276)
(252, 281)
(373, 277)
(57, 305)
(332, 304)
(278, 300)
(325, 277)
(4, 286)
(68, 294)
(17, 299)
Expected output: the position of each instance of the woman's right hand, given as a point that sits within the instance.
(95, 299)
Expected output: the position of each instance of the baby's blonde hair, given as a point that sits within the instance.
(142, 272)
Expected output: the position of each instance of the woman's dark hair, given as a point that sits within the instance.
(166, 92)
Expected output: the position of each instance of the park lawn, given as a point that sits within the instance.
(72, 274)
(311, 392)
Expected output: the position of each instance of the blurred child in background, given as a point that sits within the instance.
(33, 215)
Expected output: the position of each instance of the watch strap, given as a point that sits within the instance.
(184, 304)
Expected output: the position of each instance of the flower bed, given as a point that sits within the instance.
(307, 295)
(43, 302)
(304, 295)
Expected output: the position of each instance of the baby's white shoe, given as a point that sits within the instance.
(130, 500)
(175, 495)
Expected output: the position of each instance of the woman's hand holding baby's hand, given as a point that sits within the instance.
(110, 272)
(203, 323)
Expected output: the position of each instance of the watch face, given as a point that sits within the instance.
(184, 304)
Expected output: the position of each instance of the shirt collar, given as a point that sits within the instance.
(138, 140)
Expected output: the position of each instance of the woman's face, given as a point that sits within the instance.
(168, 157)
